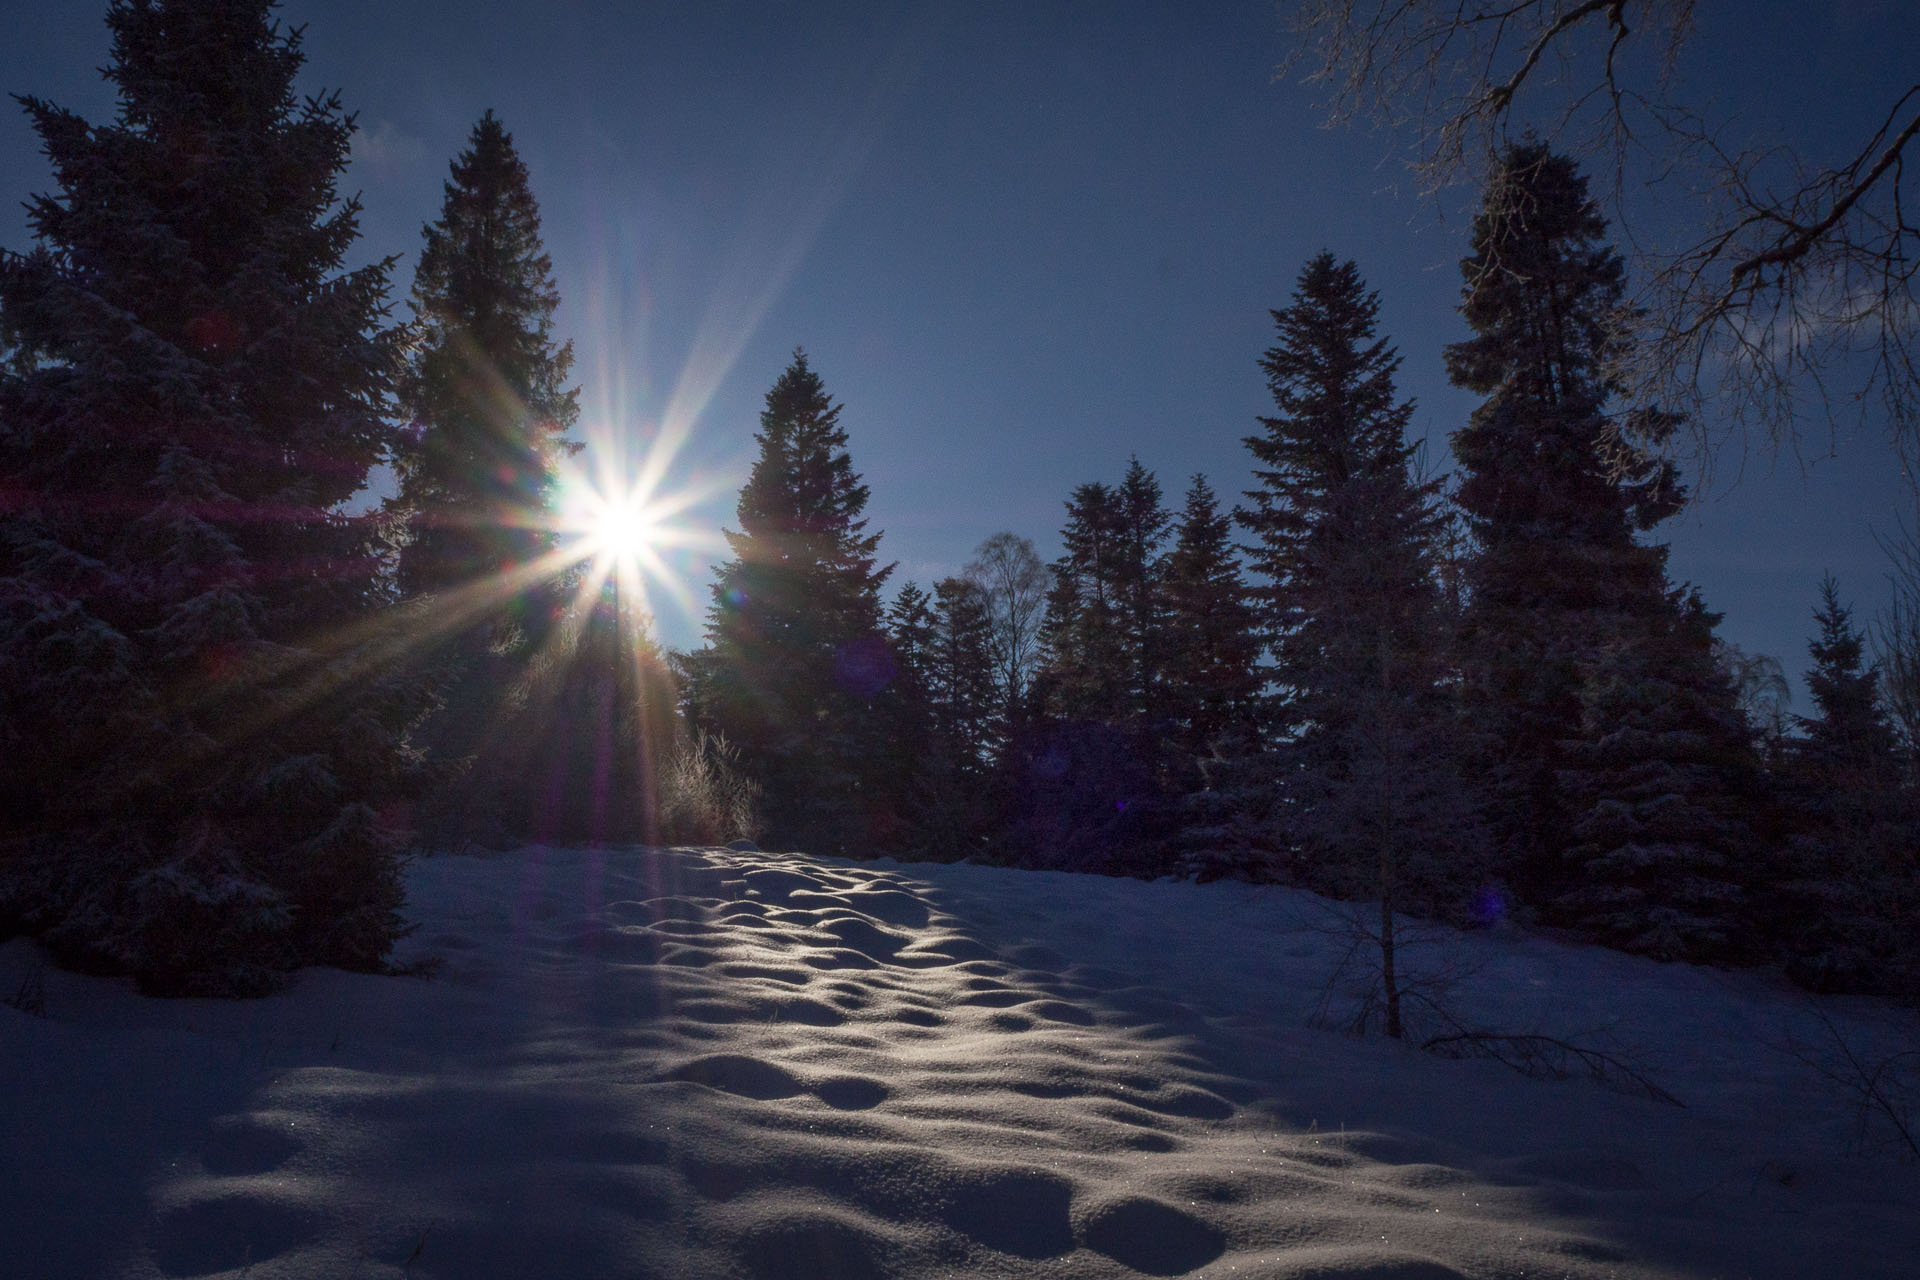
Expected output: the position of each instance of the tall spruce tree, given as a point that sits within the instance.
(1363, 733)
(1614, 748)
(197, 777)
(796, 672)
(1212, 676)
(1085, 776)
(949, 809)
(486, 385)
(484, 389)
(1103, 629)
(1081, 632)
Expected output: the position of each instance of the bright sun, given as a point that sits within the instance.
(622, 530)
(619, 527)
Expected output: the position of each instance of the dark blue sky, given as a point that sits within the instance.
(1020, 241)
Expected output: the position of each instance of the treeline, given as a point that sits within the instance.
(228, 703)
(1466, 701)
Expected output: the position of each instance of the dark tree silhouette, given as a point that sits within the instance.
(1081, 631)
(796, 673)
(950, 801)
(484, 388)
(1615, 753)
(1841, 899)
(1102, 630)
(1212, 676)
(1850, 736)
(197, 769)
(1365, 792)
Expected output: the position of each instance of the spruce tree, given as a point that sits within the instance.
(1103, 629)
(1593, 680)
(949, 809)
(1082, 632)
(910, 631)
(484, 389)
(1085, 779)
(1212, 677)
(1140, 568)
(486, 385)
(1851, 738)
(961, 687)
(1337, 520)
(1660, 779)
(1840, 904)
(1346, 539)
(797, 673)
(199, 775)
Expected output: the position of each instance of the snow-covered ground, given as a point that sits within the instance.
(692, 1063)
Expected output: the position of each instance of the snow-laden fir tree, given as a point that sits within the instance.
(197, 772)
(1614, 753)
(484, 387)
(797, 673)
(1365, 797)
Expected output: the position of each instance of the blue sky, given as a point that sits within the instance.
(1020, 241)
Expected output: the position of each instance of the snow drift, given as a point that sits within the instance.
(719, 1063)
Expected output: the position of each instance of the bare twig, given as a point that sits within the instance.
(1882, 1087)
(1548, 1058)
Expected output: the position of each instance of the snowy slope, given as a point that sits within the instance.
(715, 1063)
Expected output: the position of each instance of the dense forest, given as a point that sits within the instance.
(233, 698)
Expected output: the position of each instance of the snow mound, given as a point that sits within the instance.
(727, 1063)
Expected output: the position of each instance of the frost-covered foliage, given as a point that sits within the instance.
(703, 797)
(1661, 779)
(200, 767)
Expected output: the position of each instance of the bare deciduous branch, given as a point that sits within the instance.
(1794, 293)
